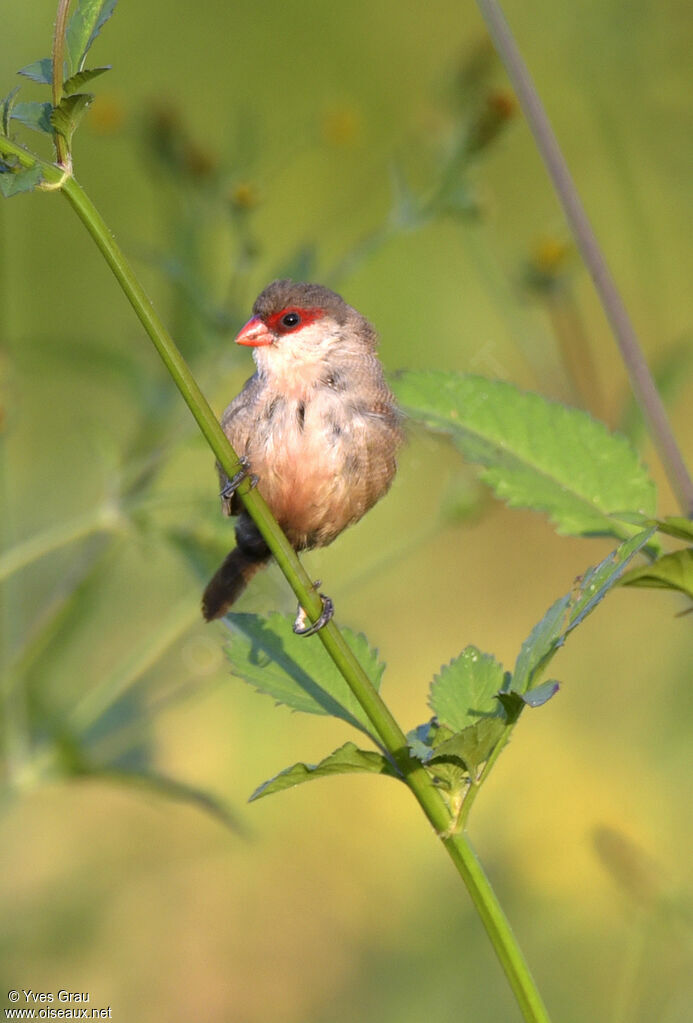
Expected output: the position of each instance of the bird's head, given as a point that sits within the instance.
(297, 323)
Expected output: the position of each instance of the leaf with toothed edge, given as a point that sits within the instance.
(473, 745)
(465, 689)
(296, 670)
(6, 111)
(535, 453)
(66, 117)
(75, 82)
(348, 759)
(40, 71)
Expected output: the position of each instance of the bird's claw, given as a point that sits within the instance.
(232, 485)
(300, 627)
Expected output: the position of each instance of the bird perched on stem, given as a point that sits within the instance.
(316, 426)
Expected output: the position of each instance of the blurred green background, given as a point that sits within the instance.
(230, 144)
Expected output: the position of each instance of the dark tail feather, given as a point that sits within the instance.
(236, 570)
(229, 581)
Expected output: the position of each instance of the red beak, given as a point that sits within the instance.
(254, 334)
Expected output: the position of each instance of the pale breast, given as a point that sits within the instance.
(322, 462)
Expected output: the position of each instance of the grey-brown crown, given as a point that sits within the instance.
(283, 293)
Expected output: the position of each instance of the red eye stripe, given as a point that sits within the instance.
(305, 318)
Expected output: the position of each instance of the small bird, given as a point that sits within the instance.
(316, 427)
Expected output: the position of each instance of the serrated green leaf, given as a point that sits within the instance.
(535, 453)
(14, 182)
(75, 82)
(676, 525)
(6, 111)
(566, 613)
(66, 117)
(670, 572)
(465, 689)
(348, 759)
(474, 744)
(297, 671)
(34, 115)
(83, 28)
(40, 71)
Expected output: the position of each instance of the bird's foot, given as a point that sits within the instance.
(300, 627)
(232, 485)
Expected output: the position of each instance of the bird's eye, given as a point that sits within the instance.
(290, 320)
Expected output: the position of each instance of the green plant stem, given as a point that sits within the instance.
(385, 726)
(58, 71)
(498, 928)
(631, 352)
(475, 788)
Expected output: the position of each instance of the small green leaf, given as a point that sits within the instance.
(540, 645)
(670, 572)
(465, 689)
(34, 115)
(14, 182)
(514, 703)
(40, 71)
(423, 741)
(83, 28)
(6, 111)
(297, 671)
(541, 694)
(535, 453)
(473, 745)
(66, 117)
(75, 82)
(567, 613)
(676, 525)
(348, 759)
